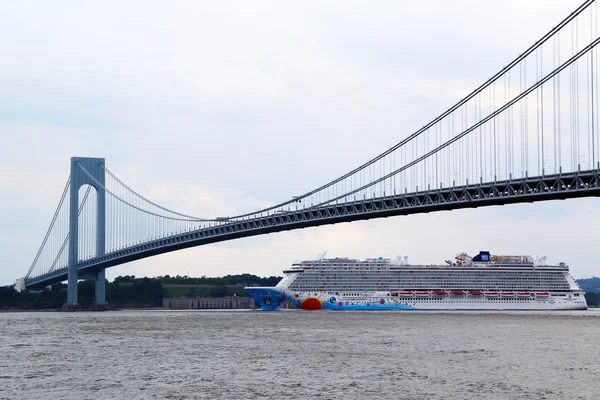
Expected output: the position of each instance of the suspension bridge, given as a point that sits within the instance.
(528, 134)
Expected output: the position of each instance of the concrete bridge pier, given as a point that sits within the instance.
(99, 279)
(101, 288)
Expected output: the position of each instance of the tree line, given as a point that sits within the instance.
(128, 291)
(143, 292)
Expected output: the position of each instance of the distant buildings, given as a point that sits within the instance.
(200, 303)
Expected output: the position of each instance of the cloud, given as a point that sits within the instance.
(215, 109)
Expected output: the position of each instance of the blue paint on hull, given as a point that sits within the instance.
(375, 306)
(268, 298)
(271, 299)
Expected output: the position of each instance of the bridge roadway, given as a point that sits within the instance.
(521, 190)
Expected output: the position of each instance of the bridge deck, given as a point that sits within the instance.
(523, 190)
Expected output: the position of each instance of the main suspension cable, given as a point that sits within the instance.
(62, 199)
(149, 201)
(425, 128)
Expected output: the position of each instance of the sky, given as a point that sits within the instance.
(213, 107)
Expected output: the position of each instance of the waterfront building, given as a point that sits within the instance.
(229, 302)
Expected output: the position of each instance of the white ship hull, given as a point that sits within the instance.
(272, 298)
(483, 282)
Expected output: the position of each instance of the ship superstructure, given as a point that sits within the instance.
(483, 282)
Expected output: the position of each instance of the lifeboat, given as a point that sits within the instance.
(475, 293)
(457, 293)
(422, 293)
(523, 294)
(491, 294)
(405, 293)
(542, 294)
(439, 293)
(508, 294)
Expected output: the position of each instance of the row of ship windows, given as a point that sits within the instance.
(433, 300)
(407, 302)
(511, 274)
(426, 282)
(470, 302)
(449, 271)
(408, 281)
(408, 284)
(445, 272)
(388, 288)
(430, 272)
(326, 265)
(363, 288)
(438, 276)
(388, 274)
(361, 292)
(382, 289)
(432, 280)
(384, 267)
(429, 278)
(355, 295)
(431, 285)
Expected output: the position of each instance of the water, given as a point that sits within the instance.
(300, 355)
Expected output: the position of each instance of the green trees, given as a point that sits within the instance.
(123, 292)
(129, 291)
(592, 299)
(10, 298)
(590, 284)
(135, 292)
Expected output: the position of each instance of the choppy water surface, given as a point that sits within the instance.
(325, 355)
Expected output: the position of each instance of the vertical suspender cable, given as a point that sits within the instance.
(597, 92)
(481, 136)
(590, 151)
(526, 99)
(577, 123)
(495, 137)
(593, 145)
(521, 120)
(542, 109)
(558, 110)
(49, 231)
(554, 104)
(572, 101)
(509, 143)
(537, 95)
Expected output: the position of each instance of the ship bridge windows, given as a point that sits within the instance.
(373, 278)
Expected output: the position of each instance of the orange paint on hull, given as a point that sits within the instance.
(311, 304)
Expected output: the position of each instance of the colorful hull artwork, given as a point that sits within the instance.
(271, 299)
(471, 283)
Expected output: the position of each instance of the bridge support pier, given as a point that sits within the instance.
(94, 168)
(101, 288)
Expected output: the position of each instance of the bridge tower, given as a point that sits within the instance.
(79, 178)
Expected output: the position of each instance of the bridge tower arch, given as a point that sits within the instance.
(79, 178)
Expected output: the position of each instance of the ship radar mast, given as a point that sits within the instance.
(322, 255)
(402, 260)
(539, 260)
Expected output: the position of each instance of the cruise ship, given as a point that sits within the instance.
(482, 282)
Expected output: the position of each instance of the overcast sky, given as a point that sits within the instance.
(217, 107)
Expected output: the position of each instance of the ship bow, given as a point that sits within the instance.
(269, 298)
